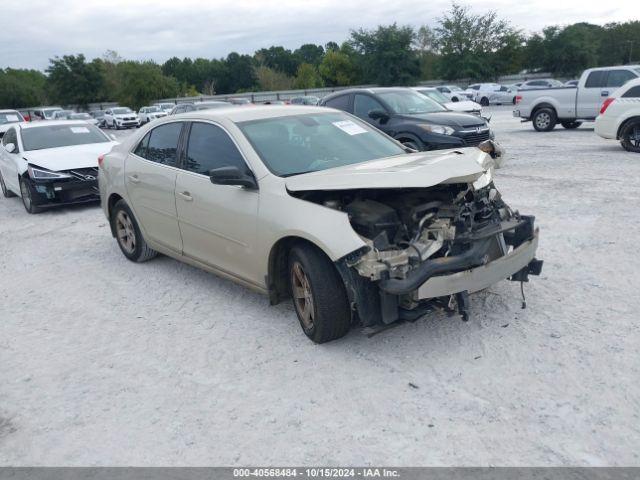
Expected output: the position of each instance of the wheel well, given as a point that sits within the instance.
(624, 124)
(278, 276)
(409, 137)
(113, 199)
(543, 105)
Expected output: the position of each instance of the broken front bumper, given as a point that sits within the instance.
(481, 277)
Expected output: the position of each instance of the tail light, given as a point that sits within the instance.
(606, 104)
(100, 160)
(518, 99)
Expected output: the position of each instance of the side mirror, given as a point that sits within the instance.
(10, 147)
(378, 115)
(232, 176)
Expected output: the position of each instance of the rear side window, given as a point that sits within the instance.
(596, 79)
(162, 146)
(211, 147)
(341, 103)
(141, 149)
(617, 78)
(633, 92)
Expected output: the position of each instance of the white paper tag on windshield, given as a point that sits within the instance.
(79, 129)
(12, 118)
(349, 127)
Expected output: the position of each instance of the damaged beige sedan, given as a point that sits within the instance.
(312, 204)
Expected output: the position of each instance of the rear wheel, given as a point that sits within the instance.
(5, 191)
(27, 197)
(630, 137)
(319, 296)
(571, 125)
(484, 101)
(544, 120)
(128, 235)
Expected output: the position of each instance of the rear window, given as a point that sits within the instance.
(10, 117)
(617, 78)
(596, 79)
(54, 136)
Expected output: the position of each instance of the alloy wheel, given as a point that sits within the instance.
(302, 295)
(543, 120)
(125, 232)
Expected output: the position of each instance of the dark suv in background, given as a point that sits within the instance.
(413, 119)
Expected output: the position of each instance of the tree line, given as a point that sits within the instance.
(462, 45)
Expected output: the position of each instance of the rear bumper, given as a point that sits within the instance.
(481, 277)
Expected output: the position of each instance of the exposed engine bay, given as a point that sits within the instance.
(413, 235)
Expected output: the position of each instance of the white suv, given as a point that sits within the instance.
(619, 117)
(147, 114)
(121, 117)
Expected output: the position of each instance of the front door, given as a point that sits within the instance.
(217, 222)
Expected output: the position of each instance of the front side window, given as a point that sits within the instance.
(363, 104)
(163, 144)
(211, 147)
(617, 78)
(296, 144)
(55, 136)
(341, 102)
(633, 92)
(11, 137)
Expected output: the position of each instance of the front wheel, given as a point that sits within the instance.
(484, 101)
(630, 137)
(571, 125)
(130, 240)
(319, 296)
(27, 197)
(544, 120)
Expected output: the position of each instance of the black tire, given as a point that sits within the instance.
(330, 313)
(484, 101)
(6, 193)
(455, 99)
(544, 119)
(26, 193)
(571, 125)
(415, 144)
(128, 235)
(514, 100)
(630, 136)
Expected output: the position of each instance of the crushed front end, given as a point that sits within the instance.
(49, 188)
(431, 247)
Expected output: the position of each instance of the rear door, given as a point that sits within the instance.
(150, 179)
(218, 222)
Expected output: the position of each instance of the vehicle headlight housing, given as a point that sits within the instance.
(38, 173)
(441, 129)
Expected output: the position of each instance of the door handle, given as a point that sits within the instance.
(186, 196)
(134, 179)
(604, 93)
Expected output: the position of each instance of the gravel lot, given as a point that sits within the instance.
(106, 362)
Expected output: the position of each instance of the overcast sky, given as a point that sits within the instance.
(35, 30)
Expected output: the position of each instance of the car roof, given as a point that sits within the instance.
(255, 112)
(8, 110)
(53, 122)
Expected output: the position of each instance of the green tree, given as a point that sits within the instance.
(309, 53)
(385, 54)
(307, 76)
(270, 79)
(425, 46)
(22, 88)
(241, 73)
(337, 69)
(469, 44)
(140, 83)
(278, 58)
(71, 80)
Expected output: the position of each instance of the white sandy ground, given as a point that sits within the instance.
(107, 362)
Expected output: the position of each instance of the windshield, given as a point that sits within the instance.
(153, 109)
(97, 113)
(307, 143)
(410, 102)
(121, 110)
(54, 136)
(10, 117)
(80, 116)
(434, 95)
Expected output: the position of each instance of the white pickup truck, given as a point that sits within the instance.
(570, 106)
